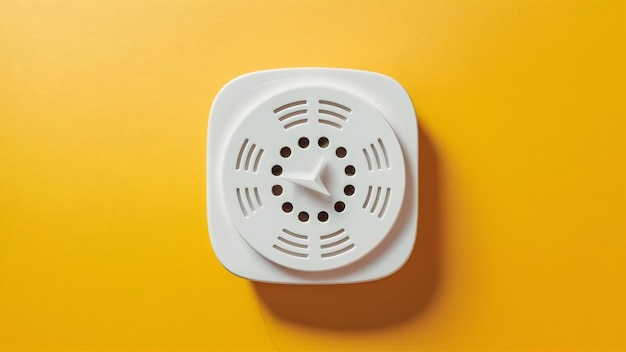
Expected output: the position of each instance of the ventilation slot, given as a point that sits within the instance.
(293, 244)
(333, 234)
(258, 198)
(367, 158)
(338, 252)
(257, 160)
(289, 117)
(337, 105)
(332, 113)
(385, 203)
(243, 147)
(295, 123)
(249, 158)
(296, 235)
(247, 190)
(336, 243)
(291, 253)
(246, 201)
(292, 114)
(382, 147)
(243, 208)
(330, 123)
(376, 198)
(367, 198)
(290, 105)
(376, 156)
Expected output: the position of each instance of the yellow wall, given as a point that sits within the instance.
(103, 117)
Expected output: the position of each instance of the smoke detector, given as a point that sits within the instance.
(312, 176)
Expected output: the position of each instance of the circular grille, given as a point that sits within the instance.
(313, 178)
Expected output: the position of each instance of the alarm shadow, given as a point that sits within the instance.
(377, 304)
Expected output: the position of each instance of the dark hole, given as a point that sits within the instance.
(341, 152)
(340, 206)
(350, 170)
(323, 142)
(322, 216)
(277, 190)
(285, 152)
(287, 207)
(348, 190)
(277, 170)
(303, 216)
(303, 142)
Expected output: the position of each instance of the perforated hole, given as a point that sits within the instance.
(277, 170)
(303, 142)
(287, 207)
(277, 190)
(303, 216)
(341, 152)
(350, 170)
(340, 206)
(323, 142)
(285, 152)
(348, 190)
(322, 216)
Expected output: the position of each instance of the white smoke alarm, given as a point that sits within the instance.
(312, 176)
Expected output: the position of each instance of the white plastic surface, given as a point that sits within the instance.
(312, 176)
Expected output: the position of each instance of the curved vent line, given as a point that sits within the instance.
(246, 202)
(250, 152)
(385, 203)
(337, 105)
(289, 114)
(257, 160)
(296, 235)
(330, 123)
(376, 199)
(382, 147)
(258, 198)
(376, 156)
(246, 158)
(367, 158)
(289, 105)
(243, 208)
(367, 198)
(336, 243)
(292, 114)
(332, 113)
(295, 123)
(291, 253)
(243, 147)
(294, 244)
(333, 234)
(252, 207)
(338, 252)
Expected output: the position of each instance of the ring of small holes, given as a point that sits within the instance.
(303, 143)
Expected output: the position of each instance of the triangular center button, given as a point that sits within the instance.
(311, 181)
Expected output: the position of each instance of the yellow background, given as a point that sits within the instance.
(103, 233)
